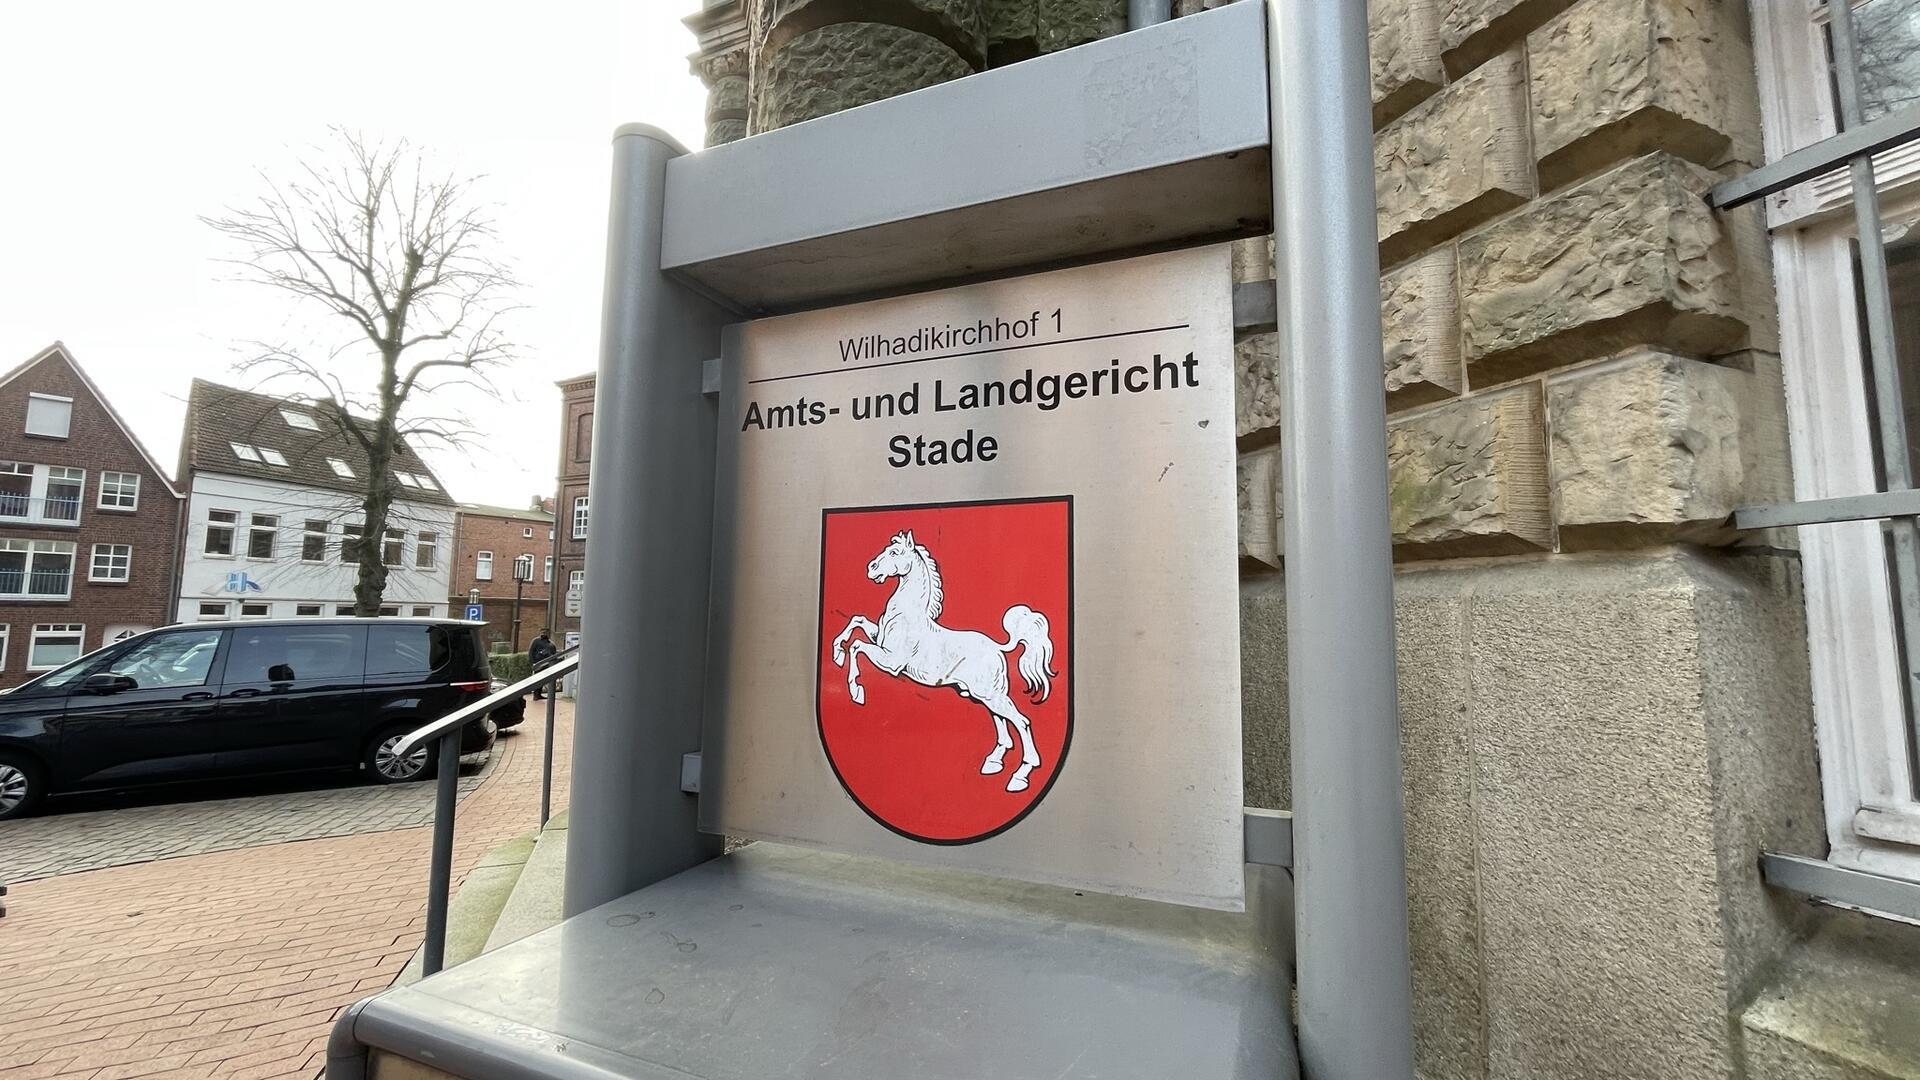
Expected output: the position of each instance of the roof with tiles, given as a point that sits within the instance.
(224, 424)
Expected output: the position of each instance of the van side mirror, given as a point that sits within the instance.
(107, 682)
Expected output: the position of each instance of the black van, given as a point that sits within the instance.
(276, 695)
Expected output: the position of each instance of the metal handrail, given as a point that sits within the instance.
(451, 722)
(446, 731)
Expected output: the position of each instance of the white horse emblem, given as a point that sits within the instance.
(908, 641)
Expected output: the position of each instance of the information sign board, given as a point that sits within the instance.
(976, 589)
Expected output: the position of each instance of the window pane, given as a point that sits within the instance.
(1889, 36)
(286, 653)
(48, 416)
(220, 531)
(63, 494)
(260, 536)
(350, 543)
(51, 648)
(169, 660)
(210, 609)
(307, 609)
(395, 547)
(50, 574)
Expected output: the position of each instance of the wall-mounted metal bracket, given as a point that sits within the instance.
(1875, 504)
(1825, 883)
(690, 773)
(710, 376)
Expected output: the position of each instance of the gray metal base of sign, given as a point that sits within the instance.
(779, 961)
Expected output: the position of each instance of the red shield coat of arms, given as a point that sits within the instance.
(945, 667)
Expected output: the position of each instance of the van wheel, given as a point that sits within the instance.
(383, 766)
(22, 784)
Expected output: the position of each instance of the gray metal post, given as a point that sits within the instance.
(546, 755)
(1148, 12)
(440, 862)
(1349, 855)
(643, 632)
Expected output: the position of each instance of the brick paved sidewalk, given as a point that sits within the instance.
(65, 843)
(233, 964)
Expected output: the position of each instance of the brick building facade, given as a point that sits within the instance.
(89, 525)
(1610, 701)
(487, 541)
(571, 507)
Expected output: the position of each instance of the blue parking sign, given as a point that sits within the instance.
(475, 612)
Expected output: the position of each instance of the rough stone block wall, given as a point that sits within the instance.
(1539, 172)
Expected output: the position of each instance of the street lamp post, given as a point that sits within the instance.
(522, 573)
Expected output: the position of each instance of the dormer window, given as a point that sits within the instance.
(296, 418)
(272, 457)
(340, 468)
(244, 452)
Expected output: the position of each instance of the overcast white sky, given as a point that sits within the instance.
(122, 122)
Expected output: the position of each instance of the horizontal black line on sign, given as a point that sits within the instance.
(974, 352)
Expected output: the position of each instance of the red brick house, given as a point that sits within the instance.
(89, 524)
(488, 541)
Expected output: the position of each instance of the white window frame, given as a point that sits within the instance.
(265, 614)
(65, 474)
(34, 549)
(111, 552)
(6, 635)
(425, 550)
(394, 543)
(41, 630)
(580, 516)
(273, 457)
(233, 533)
(272, 530)
(483, 566)
(340, 468)
(308, 532)
(1872, 818)
(115, 486)
(423, 611)
(201, 615)
(300, 612)
(66, 429)
(546, 575)
(297, 419)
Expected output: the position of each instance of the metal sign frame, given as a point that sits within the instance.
(941, 186)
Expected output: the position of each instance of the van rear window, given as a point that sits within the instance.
(406, 649)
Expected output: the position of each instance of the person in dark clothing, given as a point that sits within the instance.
(540, 652)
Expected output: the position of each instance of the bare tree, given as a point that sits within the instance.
(402, 259)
